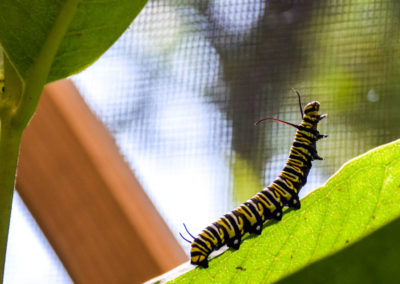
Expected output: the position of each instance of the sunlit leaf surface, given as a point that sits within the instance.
(360, 198)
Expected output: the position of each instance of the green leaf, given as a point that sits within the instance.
(360, 198)
(46, 40)
(374, 259)
(25, 27)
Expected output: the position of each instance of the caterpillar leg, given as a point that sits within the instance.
(235, 242)
(294, 203)
(203, 263)
(256, 228)
(315, 156)
(277, 215)
(320, 136)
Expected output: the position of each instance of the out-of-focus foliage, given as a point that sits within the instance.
(245, 180)
(1, 72)
(344, 54)
(191, 77)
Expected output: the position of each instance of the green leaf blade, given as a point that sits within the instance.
(95, 27)
(363, 196)
(374, 259)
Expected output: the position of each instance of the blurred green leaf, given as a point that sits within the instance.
(246, 181)
(25, 27)
(360, 198)
(47, 40)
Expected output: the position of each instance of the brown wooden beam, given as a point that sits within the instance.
(85, 198)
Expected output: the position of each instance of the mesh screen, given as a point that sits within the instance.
(182, 88)
(29, 257)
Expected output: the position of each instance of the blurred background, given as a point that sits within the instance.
(181, 89)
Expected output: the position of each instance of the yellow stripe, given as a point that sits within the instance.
(305, 151)
(304, 140)
(282, 191)
(231, 231)
(240, 224)
(208, 244)
(250, 218)
(295, 162)
(295, 152)
(271, 207)
(211, 236)
(289, 177)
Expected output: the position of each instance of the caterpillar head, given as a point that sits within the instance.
(311, 116)
(198, 259)
(312, 108)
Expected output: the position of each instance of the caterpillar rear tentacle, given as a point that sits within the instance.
(250, 216)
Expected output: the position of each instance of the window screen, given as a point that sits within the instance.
(181, 90)
(29, 257)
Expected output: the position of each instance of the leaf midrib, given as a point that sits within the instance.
(37, 74)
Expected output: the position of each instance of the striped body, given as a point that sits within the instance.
(268, 203)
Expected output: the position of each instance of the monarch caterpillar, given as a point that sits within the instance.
(268, 203)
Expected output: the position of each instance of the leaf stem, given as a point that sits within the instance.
(9, 147)
(17, 105)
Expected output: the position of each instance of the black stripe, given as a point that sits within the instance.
(254, 210)
(308, 148)
(226, 222)
(219, 227)
(291, 174)
(207, 238)
(299, 158)
(310, 109)
(272, 192)
(288, 169)
(303, 144)
(313, 131)
(208, 233)
(270, 196)
(238, 215)
(216, 235)
(234, 224)
(267, 211)
(310, 121)
(197, 253)
(245, 208)
(305, 134)
(285, 187)
(260, 198)
(201, 246)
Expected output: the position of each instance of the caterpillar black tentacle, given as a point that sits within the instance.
(186, 240)
(268, 203)
(187, 231)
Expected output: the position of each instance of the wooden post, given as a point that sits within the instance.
(85, 198)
